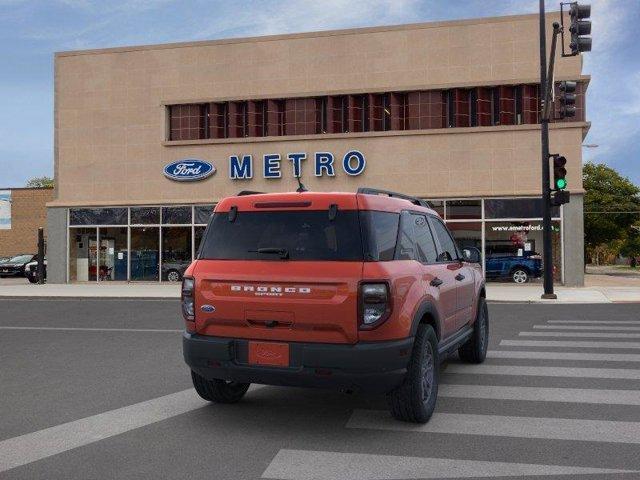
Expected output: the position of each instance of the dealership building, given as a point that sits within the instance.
(149, 138)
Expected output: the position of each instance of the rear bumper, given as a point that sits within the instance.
(371, 367)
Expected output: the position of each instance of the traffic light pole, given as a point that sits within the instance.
(547, 254)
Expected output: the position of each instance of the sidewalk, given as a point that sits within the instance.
(495, 292)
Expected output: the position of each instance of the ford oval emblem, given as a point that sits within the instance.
(208, 308)
(188, 170)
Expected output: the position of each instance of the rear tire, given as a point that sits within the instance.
(475, 349)
(219, 391)
(415, 400)
(520, 275)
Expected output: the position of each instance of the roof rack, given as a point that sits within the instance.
(376, 191)
(248, 192)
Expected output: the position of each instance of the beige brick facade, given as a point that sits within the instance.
(28, 213)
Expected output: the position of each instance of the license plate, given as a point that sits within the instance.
(269, 353)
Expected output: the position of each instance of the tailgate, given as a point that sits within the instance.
(301, 301)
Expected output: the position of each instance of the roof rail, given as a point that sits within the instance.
(377, 191)
(248, 192)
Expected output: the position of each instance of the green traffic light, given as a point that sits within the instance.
(561, 184)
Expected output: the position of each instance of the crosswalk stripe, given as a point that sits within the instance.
(568, 344)
(612, 328)
(581, 334)
(539, 394)
(504, 426)
(319, 465)
(517, 370)
(599, 322)
(34, 446)
(588, 357)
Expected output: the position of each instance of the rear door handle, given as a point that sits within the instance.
(459, 277)
(436, 282)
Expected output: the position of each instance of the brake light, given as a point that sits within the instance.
(188, 306)
(374, 304)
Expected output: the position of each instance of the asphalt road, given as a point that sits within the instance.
(96, 389)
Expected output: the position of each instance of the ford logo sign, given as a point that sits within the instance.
(189, 169)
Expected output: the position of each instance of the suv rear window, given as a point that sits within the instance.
(304, 235)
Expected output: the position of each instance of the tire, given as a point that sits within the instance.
(475, 349)
(520, 275)
(173, 276)
(218, 391)
(32, 279)
(415, 400)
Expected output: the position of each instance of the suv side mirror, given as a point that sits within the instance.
(471, 255)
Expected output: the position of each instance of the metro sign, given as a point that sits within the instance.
(352, 163)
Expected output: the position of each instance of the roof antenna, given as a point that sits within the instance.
(301, 188)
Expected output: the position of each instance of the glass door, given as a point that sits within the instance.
(82, 254)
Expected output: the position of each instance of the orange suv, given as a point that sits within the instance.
(358, 291)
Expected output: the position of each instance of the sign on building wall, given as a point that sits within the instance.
(5, 210)
(272, 165)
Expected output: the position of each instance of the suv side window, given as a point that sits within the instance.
(405, 249)
(425, 244)
(447, 251)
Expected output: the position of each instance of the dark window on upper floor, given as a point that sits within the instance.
(187, 122)
(390, 111)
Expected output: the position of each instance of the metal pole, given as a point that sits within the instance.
(547, 254)
(40, 255)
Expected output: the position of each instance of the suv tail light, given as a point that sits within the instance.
(188, 306)
(374, 304)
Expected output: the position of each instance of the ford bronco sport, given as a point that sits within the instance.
(364, 291)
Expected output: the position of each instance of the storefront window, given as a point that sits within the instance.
(176, 252)
(176, 215)
(464, 210)
(198, 234)
(145, 255)
(513, 251)
(82, 254)
(145, 215)
(516, 208)
(112, 258)
(202, 213)
(98, 216)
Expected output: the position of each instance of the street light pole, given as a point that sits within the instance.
(547, 253)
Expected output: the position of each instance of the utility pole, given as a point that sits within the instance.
(547, 253)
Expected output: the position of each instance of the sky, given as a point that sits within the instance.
(32, 30)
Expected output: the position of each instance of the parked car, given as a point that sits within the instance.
(14, 267)
(363, 291)
(31, 270)
(517, 268)
(173, 270)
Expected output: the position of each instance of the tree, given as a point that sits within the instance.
(611, 206)
(40, 182)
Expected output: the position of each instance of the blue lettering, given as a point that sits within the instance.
(296, 158)
(271, 164)
(348, 159)
(240, 169)
(324, 161)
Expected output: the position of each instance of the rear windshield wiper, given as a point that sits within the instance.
(283, 252)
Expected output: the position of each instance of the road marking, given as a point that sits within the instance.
(503, 426)
(34, 446)
(567, 344)
(581, 334)
(316, 465)
(587, 327)
(83, 329)
(589, 357)
(516, 370)
(599, 322)
(539, 394)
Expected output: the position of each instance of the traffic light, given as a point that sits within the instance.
(560, 198)
(579, 28)
(559, 172)
(567, 98)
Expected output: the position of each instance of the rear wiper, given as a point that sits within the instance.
(283, 252)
